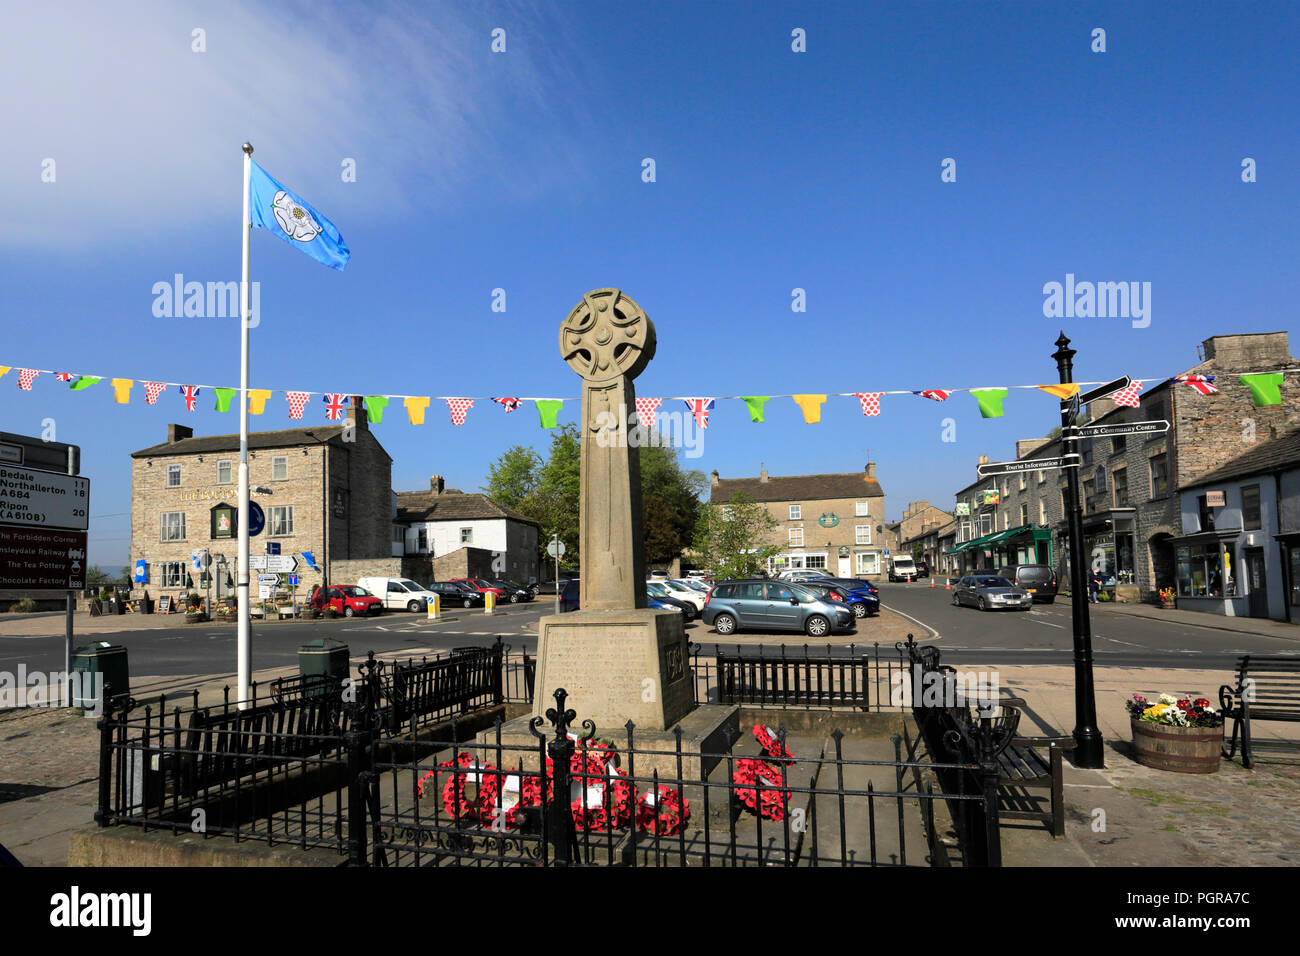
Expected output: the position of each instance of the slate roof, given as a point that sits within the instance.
(798, 487)
(452, 506)
(1279, 454)
(285, 438)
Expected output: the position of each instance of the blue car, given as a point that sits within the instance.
(854, 584)
(859, 600)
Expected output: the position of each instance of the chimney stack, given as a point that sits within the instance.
(714, 478)
(356, 413)
(436, 484)
(871, 469)
(762, 475)
(177, 432)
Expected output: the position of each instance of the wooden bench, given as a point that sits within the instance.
(1268, 688)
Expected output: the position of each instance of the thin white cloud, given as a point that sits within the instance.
(145, 133)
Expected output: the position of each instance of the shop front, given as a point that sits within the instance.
(1108, 540)
(1209, 574)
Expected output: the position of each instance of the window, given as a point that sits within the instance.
(1204, 513)
(1042, 512)
(1089, 496)
(796, 537)
(281, 520)
(863, 509)
(422, 539)
(1065, 502)
(466, 535)
(1085, 447)
(225, 473)
(173, 525)
(817, 561)
(1042, 476)
(1118, 444)
(1160, 475)
(862, 534)
(1006, 487)
(1207, 571)
(173, 476)
(1157, 414)
(1024, 515)
(279, 467)
(868, 563)
(171, 574)
(1022, 481)
(748, 592)
(1119, 485)
(986, 524)
(796, 512)
(1250, 517)
(1006, 520)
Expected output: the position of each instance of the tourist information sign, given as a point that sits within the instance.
(1031, 464)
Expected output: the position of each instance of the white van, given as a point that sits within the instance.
(398, 593)
(902, 568)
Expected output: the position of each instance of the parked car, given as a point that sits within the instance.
(922, 568)
(1038, 579)
(761, 604)
(450, 594)
(398, 593)
(683, 592)
(346, 599)
(902, 568)
(571, 595)
(802, 574)
(484, 586)
(662, 602)
(515, 592)
(659, 591)
(988, 592)
(548, 587)
(854, 584)
(861, 603)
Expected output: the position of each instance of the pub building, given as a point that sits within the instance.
(330, 498)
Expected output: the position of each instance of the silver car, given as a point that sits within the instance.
(988, 592)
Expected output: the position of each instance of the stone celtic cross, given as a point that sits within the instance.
(609, 340)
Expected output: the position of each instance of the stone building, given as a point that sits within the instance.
(835, 522)
(911, 531)
(331, 497)
(465, 535)
(1128, 484)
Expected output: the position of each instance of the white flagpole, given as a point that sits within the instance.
(246, 226)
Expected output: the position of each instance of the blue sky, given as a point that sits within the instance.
(775, 170)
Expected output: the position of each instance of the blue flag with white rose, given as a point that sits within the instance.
(284, 213)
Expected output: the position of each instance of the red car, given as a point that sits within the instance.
(484, 586)
(346, 599)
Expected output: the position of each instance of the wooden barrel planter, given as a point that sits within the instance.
(1180, 749)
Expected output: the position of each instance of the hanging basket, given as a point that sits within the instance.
(1179, 749)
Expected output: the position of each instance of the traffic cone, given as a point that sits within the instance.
(947, 584)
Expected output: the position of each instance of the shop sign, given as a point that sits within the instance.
(1214, 499)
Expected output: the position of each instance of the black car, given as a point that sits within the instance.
(450, 593)
(922, 569)
(515, 592)
(1037, 579)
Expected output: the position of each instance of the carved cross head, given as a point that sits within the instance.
(607, 335)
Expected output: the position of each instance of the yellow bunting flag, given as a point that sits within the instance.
(811, 405)
(122, 390)
(1060, 391)
(415, 407)
(4, 370)
(257, 400)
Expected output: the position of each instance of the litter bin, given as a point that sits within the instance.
(325, 659)
(110, 663)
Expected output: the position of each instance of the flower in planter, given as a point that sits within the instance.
(1171, 711)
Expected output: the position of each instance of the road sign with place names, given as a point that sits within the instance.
(1032, 464)
(1124, 428)
(257, 562)
(41, 558)
(31, 498)
(280, 563)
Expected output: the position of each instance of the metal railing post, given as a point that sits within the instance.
(355, 741)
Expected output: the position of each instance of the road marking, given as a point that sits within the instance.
(922, 623)
(1048, 624)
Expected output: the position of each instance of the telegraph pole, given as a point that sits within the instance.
(1089, 748)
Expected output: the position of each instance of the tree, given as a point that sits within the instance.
(733, 538)
(512, 478)
(1054, 434)
(670, 502)
(97, 577)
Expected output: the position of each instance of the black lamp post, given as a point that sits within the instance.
(1089, 750)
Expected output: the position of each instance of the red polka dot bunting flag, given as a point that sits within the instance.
(646, 409)
(870, 402)
(459, 407)
(152, 390)
(297, 402)
(25, 378)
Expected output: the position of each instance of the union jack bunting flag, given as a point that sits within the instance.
(191, 395)
(334, 405)
(65, 377)
(700, 408)
(1202, 383)
(938, 394)
(509, 404)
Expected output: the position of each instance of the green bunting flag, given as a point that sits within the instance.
(990, 401)
(548, 411)
(1265, 387)
(756, 404)
(84, 382)
(224, 395)
(375, 405)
